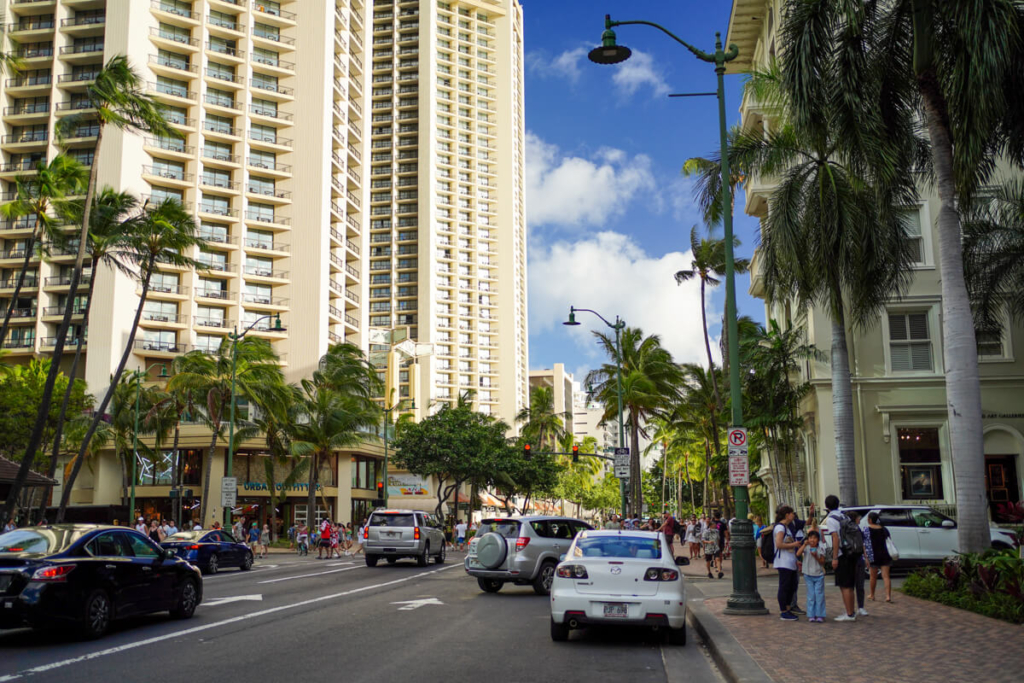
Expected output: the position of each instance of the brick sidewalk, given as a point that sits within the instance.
(909, 640)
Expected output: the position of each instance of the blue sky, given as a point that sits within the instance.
(609, 213)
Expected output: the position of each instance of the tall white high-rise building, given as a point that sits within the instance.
(447, 251)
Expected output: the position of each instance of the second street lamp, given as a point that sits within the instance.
(387, 423)
(745, 598)
(618, 326)
(139, 376)
(235, 337)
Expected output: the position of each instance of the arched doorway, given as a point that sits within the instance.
(1004, 447)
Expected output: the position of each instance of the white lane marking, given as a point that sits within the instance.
(409, 605)
(197, 629)
(339, 564)
(304, 576)
(236, 598)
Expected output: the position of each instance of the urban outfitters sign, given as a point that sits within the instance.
(262, 486)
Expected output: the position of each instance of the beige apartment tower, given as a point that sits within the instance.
(447, 223)
(351, 166)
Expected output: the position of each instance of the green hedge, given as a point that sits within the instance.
(989, 584)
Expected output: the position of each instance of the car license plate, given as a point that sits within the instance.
(616, 610)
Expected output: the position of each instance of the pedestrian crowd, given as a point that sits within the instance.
(794, 547)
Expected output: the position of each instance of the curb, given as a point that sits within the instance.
(729, 656)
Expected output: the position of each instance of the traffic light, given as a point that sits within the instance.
(575, 453)
(380, 494)
(526, 451)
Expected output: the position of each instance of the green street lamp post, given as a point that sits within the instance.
(235, 337)
(618, 326)
(139, 375)
(745, 599)
(387, 423)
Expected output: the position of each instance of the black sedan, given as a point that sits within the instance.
(210, 550)
(88, 575)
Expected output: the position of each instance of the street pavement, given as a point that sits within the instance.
(293, 615)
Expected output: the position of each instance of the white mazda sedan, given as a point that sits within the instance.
(619, 578)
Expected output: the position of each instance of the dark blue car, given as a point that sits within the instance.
(89, 575)
(210, 550)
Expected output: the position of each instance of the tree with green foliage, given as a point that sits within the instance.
(542, 426)
(452, 446)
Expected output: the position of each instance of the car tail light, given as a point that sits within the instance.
(193, 547)
(522, 542)
(660, 574)
(55, 573)
(416, 533)
(573, 571)
(366, 533)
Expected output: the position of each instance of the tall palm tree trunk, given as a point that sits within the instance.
(208, 470)
(636, 487)
(707, 347)
(842, 412)
(148, 273)
(30, 246)
(963, 384)
(36, 436)
(176, 475)
(59, 433)
(314, 472)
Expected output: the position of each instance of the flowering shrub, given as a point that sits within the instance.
(989, 583)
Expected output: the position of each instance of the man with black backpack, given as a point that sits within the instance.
(847, 546)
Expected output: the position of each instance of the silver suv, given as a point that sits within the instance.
(521, 550)
(394, 534)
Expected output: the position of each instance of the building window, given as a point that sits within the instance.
(915, 237)
(920, 463)
(910, 346)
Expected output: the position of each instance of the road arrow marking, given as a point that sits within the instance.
(237, 598)
(416, 604)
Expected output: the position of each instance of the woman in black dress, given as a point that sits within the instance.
(881, 560)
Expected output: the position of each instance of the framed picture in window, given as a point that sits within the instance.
(921, 482)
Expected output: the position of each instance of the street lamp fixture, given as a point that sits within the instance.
(745, 598)
(609, 52)
(139, 374)
(618, 326)
(235, 337)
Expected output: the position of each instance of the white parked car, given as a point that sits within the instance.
(619, 578)
(922, 534)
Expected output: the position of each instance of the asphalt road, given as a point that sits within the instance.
(293, 617)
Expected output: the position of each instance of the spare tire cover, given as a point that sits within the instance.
(491, 550)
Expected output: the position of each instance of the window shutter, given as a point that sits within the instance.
(897, 327)
(900, 358)
(921, 356)
(918, 323)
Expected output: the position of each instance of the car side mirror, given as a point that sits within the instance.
(561, 558)
(682, 561)
(169, 554)
(948, 524)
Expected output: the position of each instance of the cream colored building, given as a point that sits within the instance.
(563, 389)
(276, 110)
(447, 251)
(900, 414)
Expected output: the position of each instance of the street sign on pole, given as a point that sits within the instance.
(737, 441)
(739, 471)
(622, 472)
(621, 457)
(228, 492)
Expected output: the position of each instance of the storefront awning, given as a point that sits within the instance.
(488, 499)
(463, 498)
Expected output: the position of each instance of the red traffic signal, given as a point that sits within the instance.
(380, 489)
(526, 451)
(575, 453)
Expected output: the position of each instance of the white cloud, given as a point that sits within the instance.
(572, 190)
(610, 273)
(565, 65)
(638, 71)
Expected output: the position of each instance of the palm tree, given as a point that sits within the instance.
(107, 242)
(707, 174)
(157, 237)
(771, 358)
(913, 60)
(650, 386)
(333, 410)
(207, 377)
(831, 238)
(34, 198)
(541, 424)
(118, 97)
(994, 254)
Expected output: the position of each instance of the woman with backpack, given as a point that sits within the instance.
(879, 557)
(785, 545)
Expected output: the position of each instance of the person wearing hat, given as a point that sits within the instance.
(140, 526)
